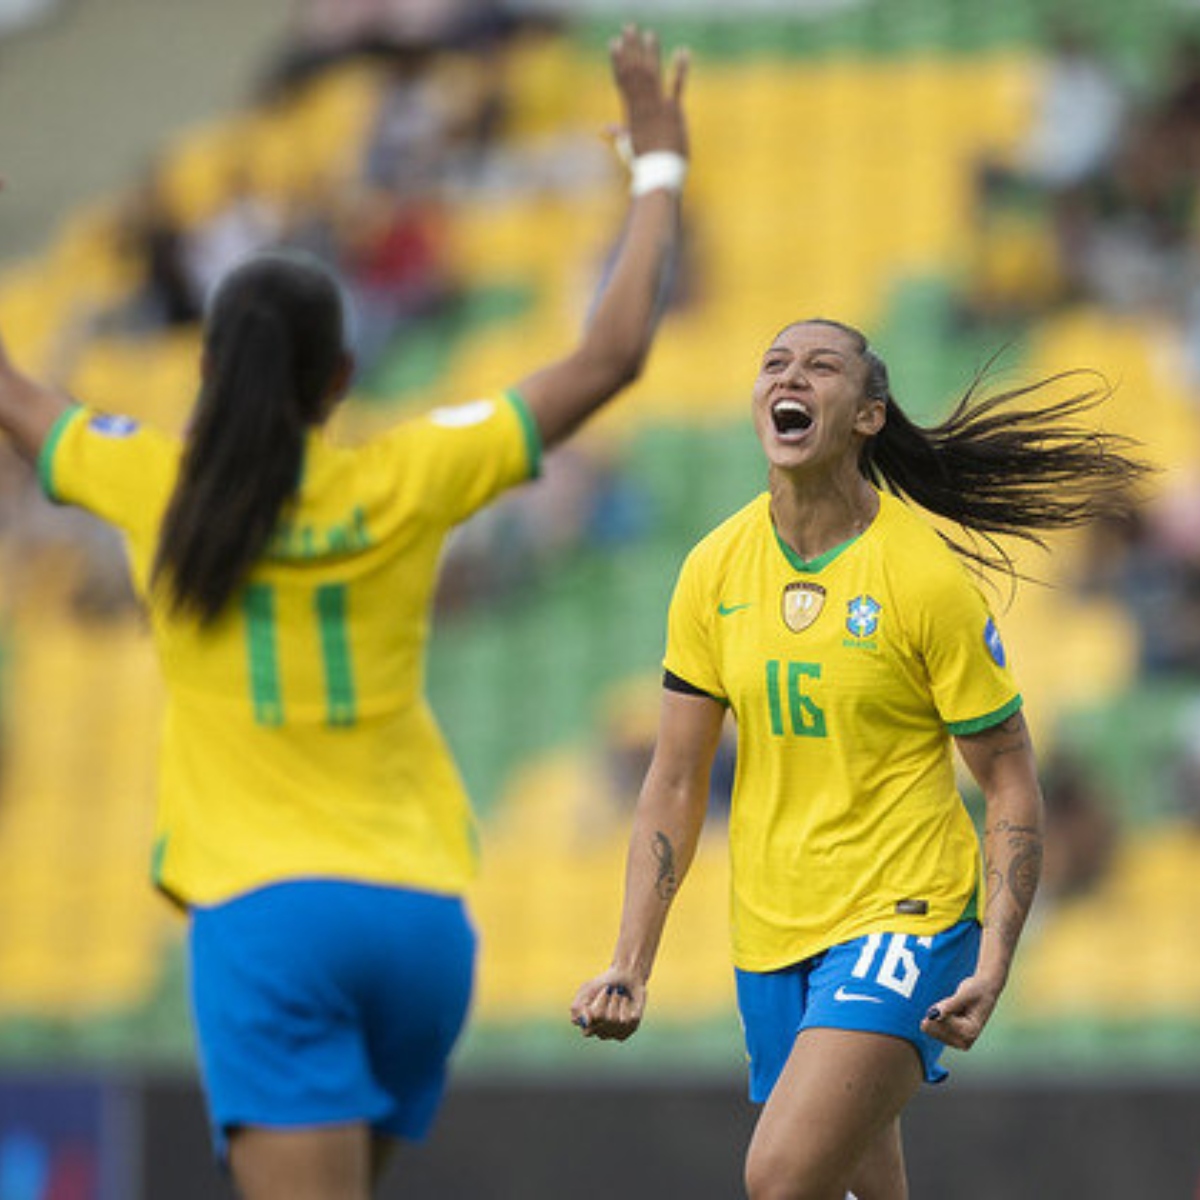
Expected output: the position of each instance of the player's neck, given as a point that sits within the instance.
(814, 518)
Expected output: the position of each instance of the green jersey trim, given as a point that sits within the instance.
(971, 912)
(533, 436)
(979, 724)
(45, 459)
(157, 854)
(812, 566)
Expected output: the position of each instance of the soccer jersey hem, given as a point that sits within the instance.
(529, 427)
(979, 724)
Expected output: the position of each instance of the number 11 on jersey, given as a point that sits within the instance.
(262, 645)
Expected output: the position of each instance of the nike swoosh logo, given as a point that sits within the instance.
(727, 610)
(842, 994)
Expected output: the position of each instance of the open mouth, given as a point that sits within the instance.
(791, 418)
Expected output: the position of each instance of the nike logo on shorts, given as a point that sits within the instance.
(843, 995)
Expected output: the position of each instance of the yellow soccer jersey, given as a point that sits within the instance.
(297, 740)
(847, 675)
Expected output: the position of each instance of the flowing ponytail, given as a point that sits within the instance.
(273, 352)
(1017, 463)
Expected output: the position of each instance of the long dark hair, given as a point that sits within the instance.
(1015, 463)
(273, 353)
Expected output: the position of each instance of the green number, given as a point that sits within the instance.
(805, 718)
(258, 607)
(773, 698)
(262, 645)
(330, 604)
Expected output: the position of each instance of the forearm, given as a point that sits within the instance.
(617, 337)
(28, 409)
(662, 845)
(622, 324)
(613, 346)
(1012, 863)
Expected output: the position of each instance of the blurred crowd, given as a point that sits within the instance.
(1098, 204)
(439, 120)
(1098, 201)
(439, 130)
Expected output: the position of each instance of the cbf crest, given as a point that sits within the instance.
(862, 616)
(802, 604)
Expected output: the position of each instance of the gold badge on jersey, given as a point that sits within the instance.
(802, 604)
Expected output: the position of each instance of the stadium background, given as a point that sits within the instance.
(868, 159)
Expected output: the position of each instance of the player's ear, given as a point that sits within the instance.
(872, 413)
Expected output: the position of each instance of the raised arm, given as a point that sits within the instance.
(1001, 760)
(666, 828)
(617, 338)
(28, 409)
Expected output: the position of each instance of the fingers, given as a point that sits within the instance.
(681, 62)
(637, 55)
(653, 105)
(636, 48)
(955, 1022)
(610, 1011)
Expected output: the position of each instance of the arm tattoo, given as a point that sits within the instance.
(666, 882)
(1021, 879)
(1009, 737)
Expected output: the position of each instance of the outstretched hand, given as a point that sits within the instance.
(609, 1007)
(653, 108)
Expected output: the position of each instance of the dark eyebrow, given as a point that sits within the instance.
(814, 351)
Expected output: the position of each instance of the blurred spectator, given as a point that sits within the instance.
(1150, 563)
(244, 224)
(406, 143)
(582, 500)
(149, 234)
(1026, 240)
(324, 32)
(396, 267)
(1081, 831)
(1079, 110)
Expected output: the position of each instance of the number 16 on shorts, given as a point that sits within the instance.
(889, 959)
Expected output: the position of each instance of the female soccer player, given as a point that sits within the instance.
(853, 648)
(311, 820)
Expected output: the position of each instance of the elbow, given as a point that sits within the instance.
(629, 370)
(617, 369)
(617, 351)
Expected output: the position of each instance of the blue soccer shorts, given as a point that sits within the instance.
(880, 983)
(325, 1002)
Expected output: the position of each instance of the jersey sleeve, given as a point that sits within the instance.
(972, 684)
(462, 457)
(112, 466)
(691, 646)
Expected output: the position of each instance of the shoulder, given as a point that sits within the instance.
(86, 440)
(501, 421)
(924, 561)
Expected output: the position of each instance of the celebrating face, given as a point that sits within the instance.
(810, 407)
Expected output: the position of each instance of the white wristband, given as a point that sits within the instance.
(658, 169)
